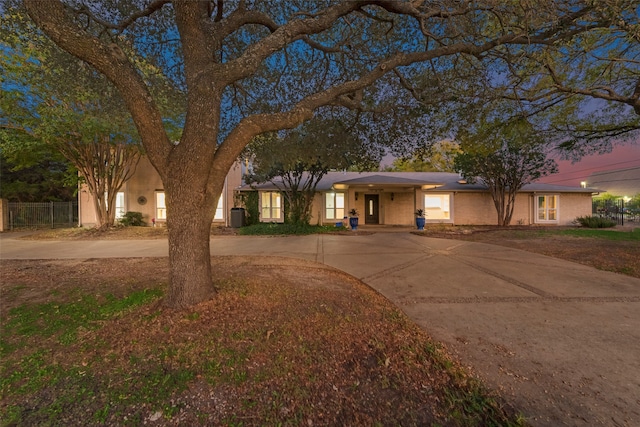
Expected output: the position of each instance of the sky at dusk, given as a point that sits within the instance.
(571, 174)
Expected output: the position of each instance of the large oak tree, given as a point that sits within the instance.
(247, 68)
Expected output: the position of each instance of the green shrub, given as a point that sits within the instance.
(133, 219)
(594, 222)
(269, 228)
(250, 201)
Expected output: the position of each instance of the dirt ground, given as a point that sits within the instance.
(609, 255)
(285, 342)
(551, 377)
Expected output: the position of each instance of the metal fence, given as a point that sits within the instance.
(611, 209)
(43, 215)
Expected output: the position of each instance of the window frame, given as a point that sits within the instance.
(275, 205)
(546, 209)
(219, 212)
(159, 206)
(121, 208)
(335, 208)
(431, 206)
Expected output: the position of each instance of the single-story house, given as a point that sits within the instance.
(385, 198)
(391, 198)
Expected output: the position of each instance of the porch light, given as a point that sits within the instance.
(356, 195)
(392, 195)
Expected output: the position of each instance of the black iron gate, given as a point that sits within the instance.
(610, 209)
(43, 215)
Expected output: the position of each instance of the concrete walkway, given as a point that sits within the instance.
(559, 340)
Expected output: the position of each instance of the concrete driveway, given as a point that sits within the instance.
(559, 340)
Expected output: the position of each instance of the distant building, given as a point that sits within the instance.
(620, 182)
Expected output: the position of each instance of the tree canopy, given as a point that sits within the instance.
(582, 93)
(504, 158)
(248, 68)
(296, 162)
(54, 103)
(48, 179)
(433, 157)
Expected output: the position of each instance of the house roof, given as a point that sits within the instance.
(436, 181)
(620, 182)
(384, 181)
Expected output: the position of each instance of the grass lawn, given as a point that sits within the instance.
(631, 235)
(89, 343)
(605, 249)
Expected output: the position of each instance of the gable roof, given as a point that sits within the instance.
(435, 181)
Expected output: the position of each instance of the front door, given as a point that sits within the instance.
(371, 205)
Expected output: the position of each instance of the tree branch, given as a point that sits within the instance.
(53, 19)
(239, 18)
(247, 64)
(125, 23)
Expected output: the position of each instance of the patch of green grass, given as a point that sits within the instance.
(65, 319)
(265, 229)
(51, 382)
(587, 233)
(601, 234)
(469, 402)
(29, 367)
(53, 320)
(473, 406)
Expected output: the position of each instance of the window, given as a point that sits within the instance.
(161, 207)
(270, 206)
(219, 210)
(334, 205)
(437, 206)
(120, 209)
(547, 208)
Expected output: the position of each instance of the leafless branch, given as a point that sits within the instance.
(125, 23)
(239, 18)
(318, 46)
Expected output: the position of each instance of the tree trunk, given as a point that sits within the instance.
(189, 222)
